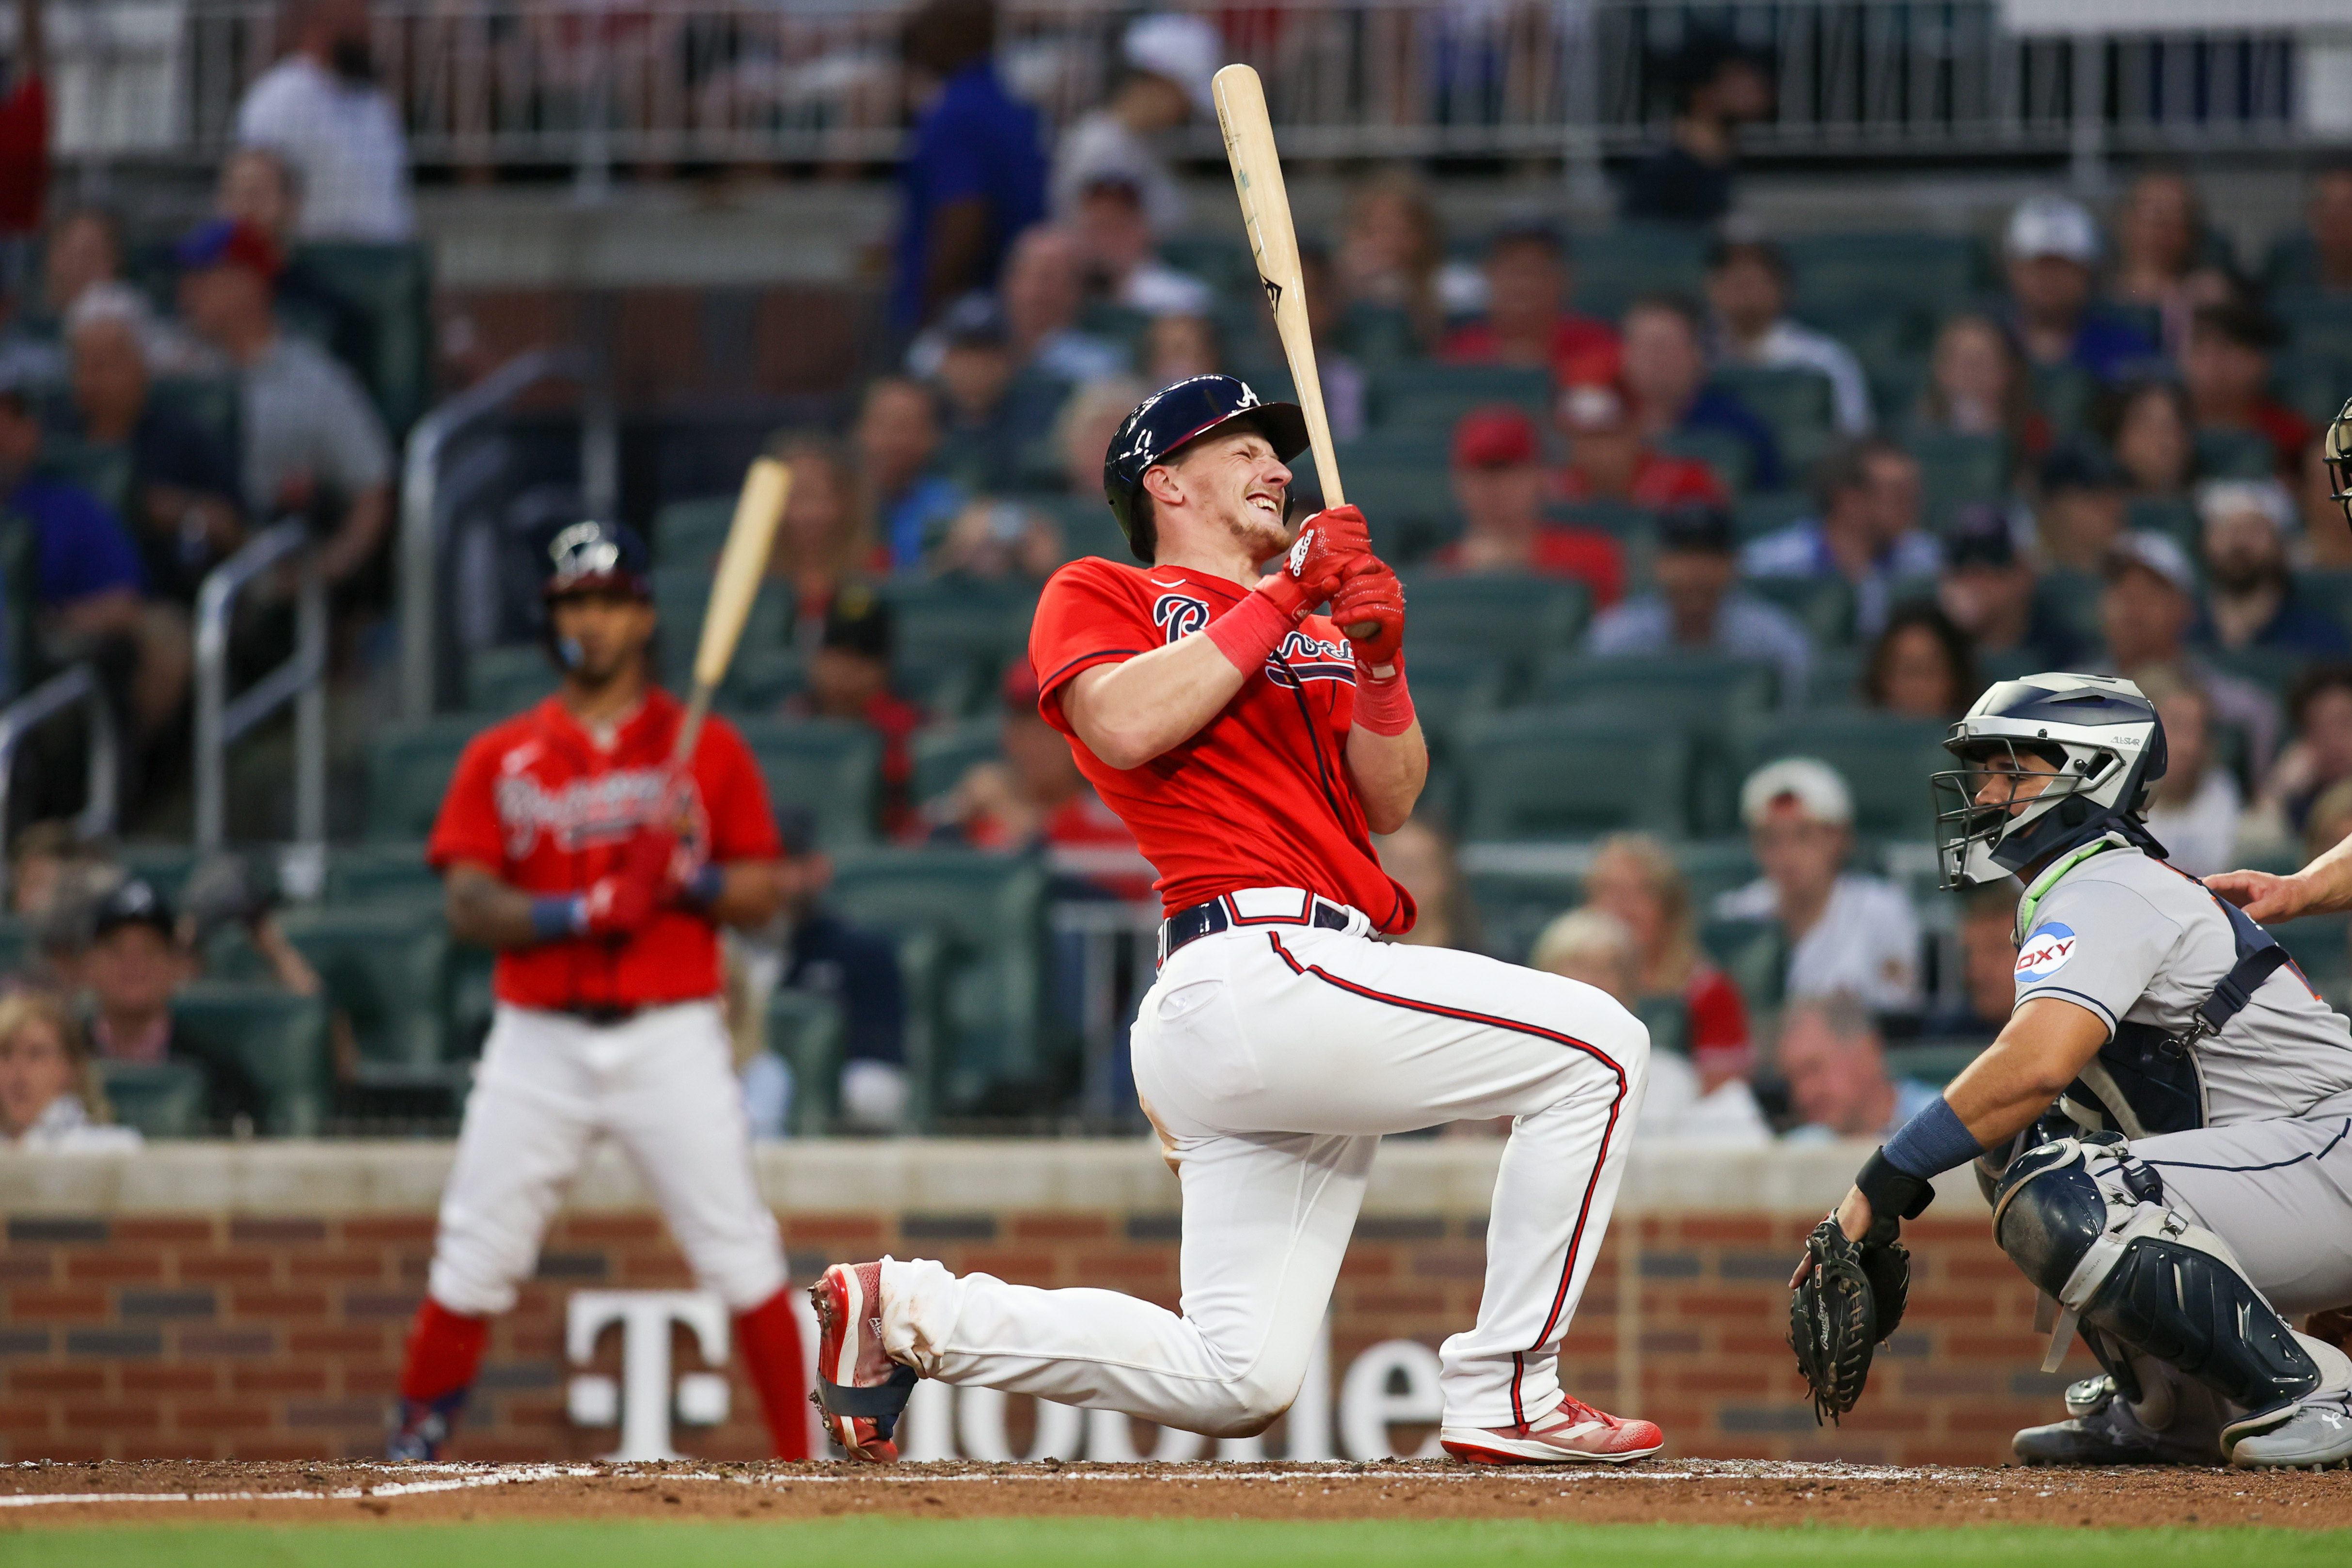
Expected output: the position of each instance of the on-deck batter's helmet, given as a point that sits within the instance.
(1177, 415)
(2338, 453)
(590, 557)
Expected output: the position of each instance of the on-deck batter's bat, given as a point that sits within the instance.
(1274, 241)
(759, 508)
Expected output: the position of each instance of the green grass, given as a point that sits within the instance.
(1142, 1544)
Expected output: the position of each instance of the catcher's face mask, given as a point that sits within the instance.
(1998, 786)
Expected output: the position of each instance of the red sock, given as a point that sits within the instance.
(445, 1350)
(770, 1336)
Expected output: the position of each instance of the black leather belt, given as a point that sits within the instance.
(602, 1015)
(1209, 918)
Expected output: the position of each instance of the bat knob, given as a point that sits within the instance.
(1363, 631)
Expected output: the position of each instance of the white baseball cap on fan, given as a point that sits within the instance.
(1184, 49)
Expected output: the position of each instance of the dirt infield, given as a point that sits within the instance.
(1688, 1491)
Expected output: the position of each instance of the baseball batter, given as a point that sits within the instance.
(1253, 749)
(572, 842)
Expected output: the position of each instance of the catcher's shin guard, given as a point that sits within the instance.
(2089, 1225)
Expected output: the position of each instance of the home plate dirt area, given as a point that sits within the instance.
(1681, 1491)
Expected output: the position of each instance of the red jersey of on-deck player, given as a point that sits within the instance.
(1260, 796)
(538, 801)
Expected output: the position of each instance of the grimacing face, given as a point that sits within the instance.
(1234, 479)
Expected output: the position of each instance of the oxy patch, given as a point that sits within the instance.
(2045, 953)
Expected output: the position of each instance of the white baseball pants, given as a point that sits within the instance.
(1272, 1058)
(663, 1085)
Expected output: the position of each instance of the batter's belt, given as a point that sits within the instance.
(1253, 906)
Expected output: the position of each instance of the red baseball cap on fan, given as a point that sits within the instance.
(229, 242)
(1497, 436)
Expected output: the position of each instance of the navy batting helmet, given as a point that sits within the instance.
(592, 556)
(1178, 413)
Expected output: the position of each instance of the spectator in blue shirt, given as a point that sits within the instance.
(1665, 375)
(976, 175)
(1867, 531)
(2052, 251)
(2251, 601)
(1696, 609)
(897, 440)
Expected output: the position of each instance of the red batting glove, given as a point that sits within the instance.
(1328, 544)
(619, 905)
(1369, 607)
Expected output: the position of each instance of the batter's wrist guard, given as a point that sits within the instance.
(1383, 705)
(1253, 628)
(558, 916)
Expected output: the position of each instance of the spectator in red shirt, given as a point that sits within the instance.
(1527, 322)
(2227, 370)
(1607, 459)
(849, 678)
(24, 130)
(1634, 878)
(1499, 482)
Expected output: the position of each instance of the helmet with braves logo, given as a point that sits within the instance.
(2338, 453)
(2103, 746)
(1174, 416)
(596, 556)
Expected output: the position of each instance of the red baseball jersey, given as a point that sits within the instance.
(539, 802)
(1260, 796)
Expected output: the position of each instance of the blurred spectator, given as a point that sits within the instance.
(1665, 382)
(1178, 347)
(974, 174)
(1717, 89)
(85, 247)
(24, 138)
(320, 109)
(1987, 589)
(1168, 62)
(135, 963)
(183, 495)
(2149, 428)
(1847, 932)
(2227, 373)
(1747, 294)
(1609, 459)
(898, 439)
(1498, 484)
(50, 1098)
(1035, 797)
(2197, 802)
(1346, 389)
(2159, 230)
(1696, 609)
(2319, 709)
(1977, 385)
(1920, 667)
(1082, 434)
(1392, 255)
(2052, 251)
(2246, 526)
(1595, 947)
(1121, 268)
(2146, 612)
(2326, 541)
(814, 949)
(1867, 531)
(2083, 511)
(1042, 290)
(989, 416)
(1421, 856)
(1635, 877)
(1526, 319)
(849, 678)
(824, 539)
(258, 186)
(2327, 218)
(2328, 822)
(314, 444)
(1835, 1061)
(42, 855)
(993, 540)
(1988, 936)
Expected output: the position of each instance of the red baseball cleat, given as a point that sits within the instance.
(860, 1391)
(1574, 1434)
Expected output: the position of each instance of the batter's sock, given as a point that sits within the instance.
(445, 1350)
(770, 1334)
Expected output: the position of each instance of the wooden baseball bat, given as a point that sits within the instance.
(759, 508)
(1273, 242)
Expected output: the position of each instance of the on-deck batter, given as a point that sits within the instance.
(572, 842)
(1252, 749)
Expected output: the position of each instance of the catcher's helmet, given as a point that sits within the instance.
(1177, 415)
(2338, 452)
(591, 557)
(2097, 731)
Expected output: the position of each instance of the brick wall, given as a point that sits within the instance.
(141, 1334)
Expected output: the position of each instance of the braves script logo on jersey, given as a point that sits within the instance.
(2045, 953)
(1178, 616)
(1303, 658)
(582, 812)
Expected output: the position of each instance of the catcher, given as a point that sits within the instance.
(2164, 1127)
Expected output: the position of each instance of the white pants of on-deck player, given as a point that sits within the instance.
(662, 1084)
(1272, 1058)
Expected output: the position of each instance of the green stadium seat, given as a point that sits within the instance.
(1698, 691)
(1087, 528)
(504, 680)
(280, 1039)
(381, 873)
(1835, 678)
(1621, 520)
(214, 403)
(945, 686)
(390, 289)
(1884, 335)
(1434, 398)
(16, 943)
(831, 768)
(1451, 684)
(1754, 954)
(1714, 867)
(381, 965)
(1668, 1020)
(986, 912)
(2326, 591)
(2070, 600)
(409, 767)
(2312, 384)
(2271, 669)
(162, 1100)
(1925, 271)
(1955, 469)
(1884, 760)
(1513, 909)
(2235, 455)
(759, 680)
(806, 1029)
(1224, 263)
(1727, 454)
(681, 594)
(690, 533)
(2317, 322)
(956, 617)
(2321, 946)
(1822, 605)
(163, 866)
(1517, 619)
(1769, 511)
(943, 753)
(1407, 496)
(1797, 402)
(1378, 336)
(1613, 266)
(2174, 518)
(2064, 392)
(1564, 772)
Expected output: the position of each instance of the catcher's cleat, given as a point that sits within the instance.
(2317, 1437)
(860, 1391)
(1574, 1434)
(2102, 1429)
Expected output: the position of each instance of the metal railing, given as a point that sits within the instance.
(1115, 949)
(301, 680)
(78, 686)
(586, 83)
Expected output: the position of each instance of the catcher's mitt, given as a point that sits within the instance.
(1846, 1308)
